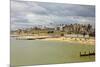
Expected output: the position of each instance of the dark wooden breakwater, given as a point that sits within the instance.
(87, 54)
(30, 38)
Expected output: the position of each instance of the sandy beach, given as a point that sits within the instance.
(82, 40)
(87, 41)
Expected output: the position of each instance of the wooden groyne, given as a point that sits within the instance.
(30, 38)
(87, 54)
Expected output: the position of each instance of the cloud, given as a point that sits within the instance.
(28, 14)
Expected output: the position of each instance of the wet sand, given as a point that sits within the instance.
(89, 41)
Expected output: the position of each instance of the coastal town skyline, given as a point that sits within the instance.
(31, 14)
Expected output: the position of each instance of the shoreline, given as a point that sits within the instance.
(81, 40)
(84, 41)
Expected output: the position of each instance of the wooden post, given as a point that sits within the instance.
(80, 53)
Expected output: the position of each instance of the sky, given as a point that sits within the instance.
(26, 14)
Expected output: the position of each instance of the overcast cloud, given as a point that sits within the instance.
(29, 14)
